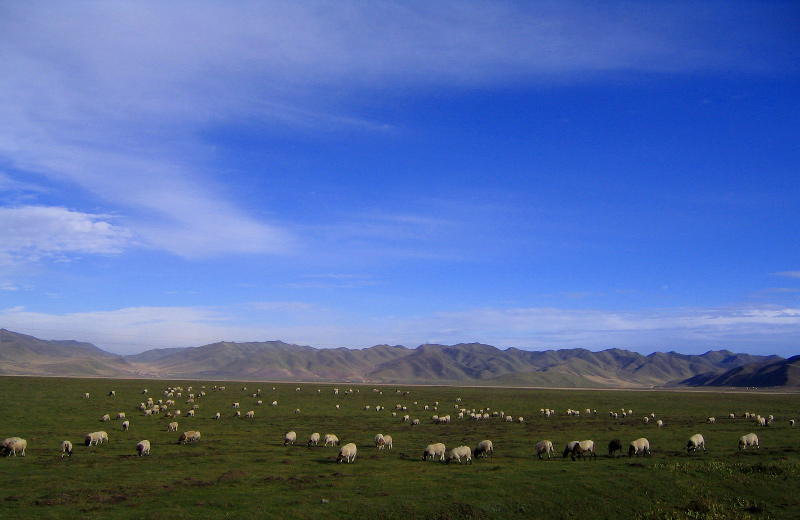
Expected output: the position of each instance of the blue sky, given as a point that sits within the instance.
(536, 175)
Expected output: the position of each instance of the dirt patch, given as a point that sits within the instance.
(234, 475)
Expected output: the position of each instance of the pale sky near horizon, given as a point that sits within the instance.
(344, 174)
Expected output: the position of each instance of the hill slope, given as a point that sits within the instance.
(470, 363)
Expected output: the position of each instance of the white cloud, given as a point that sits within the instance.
(789, 274)
(32, 232)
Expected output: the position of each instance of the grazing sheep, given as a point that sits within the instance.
(696, 442)
(274, 403)
(190, 436)
(406, 418)
(579, 450)
(250, 414)
(237, 414)
(508, 418)
(646, 419)
(433, 451)
(460, 453)
(95, 438)
(126, 425)
(484, 449)
(105, 418)
(791, 423)
(216, 415)
(66, 448)
(172, 427)
(640, 446)
(112, 393)
(143, 448)
(660, 423)
(331, 439)
(386, 442)
(86, 395)
(120, 415)
(751, 439)
(731, 416)
(545, 447)
(347, 453)
(615, 446)
(711, 420)
(14, 445)
(379, 441)
(568, 448)
(289, 438)
(415, 422)
(314, 439)
(762, 421)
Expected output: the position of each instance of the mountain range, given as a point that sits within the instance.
(464, 364)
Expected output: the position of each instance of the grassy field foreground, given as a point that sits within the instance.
(240, 468)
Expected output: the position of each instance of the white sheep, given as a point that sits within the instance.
(120, 415)
(415, 422)
(331, 439)
(484, 449)
(545, 447)
(105, 418)
(236, 405)
(347, 453)
(791, 423)
(406, 418)
(640, 446)
(762, 421)
(274, 403)
(250, 414)
(86, 395)
(433, 451)
(189, 436)
(237, 414)
(711, 420)
(66, 448)
(95, 438)
(314, 439)
(579, 450)
(461, 453)
(143, 448)
(660, 423)
(217, 415)
(379, 441)
(646, 419)
(14, 445)
(696, 442)
(751, 439)
(289, 438)
(386, 442)
(190, 413)
(126, 425)
(172, 427)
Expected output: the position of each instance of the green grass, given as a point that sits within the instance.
(240, 468)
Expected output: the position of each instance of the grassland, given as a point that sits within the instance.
(240, 468)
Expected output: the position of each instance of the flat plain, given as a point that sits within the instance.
(241, 469)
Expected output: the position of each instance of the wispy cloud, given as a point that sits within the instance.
(94, 103)
(32, 232)
(789, 274)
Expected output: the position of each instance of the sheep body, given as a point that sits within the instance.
(189, 436)
(640, 446)
(289, 438)
(66, 448)
(347, 453)
(751, 439)
(545, 447)
(696, 442)
(14, 445)
(461, 453)
(433, 451)
(314, 439)
(484, 449)
(172, 427)
(331, 439)
(143, 448)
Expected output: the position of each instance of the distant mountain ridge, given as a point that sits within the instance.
(468, 363)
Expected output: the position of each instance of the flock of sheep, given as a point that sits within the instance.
(437, 451)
